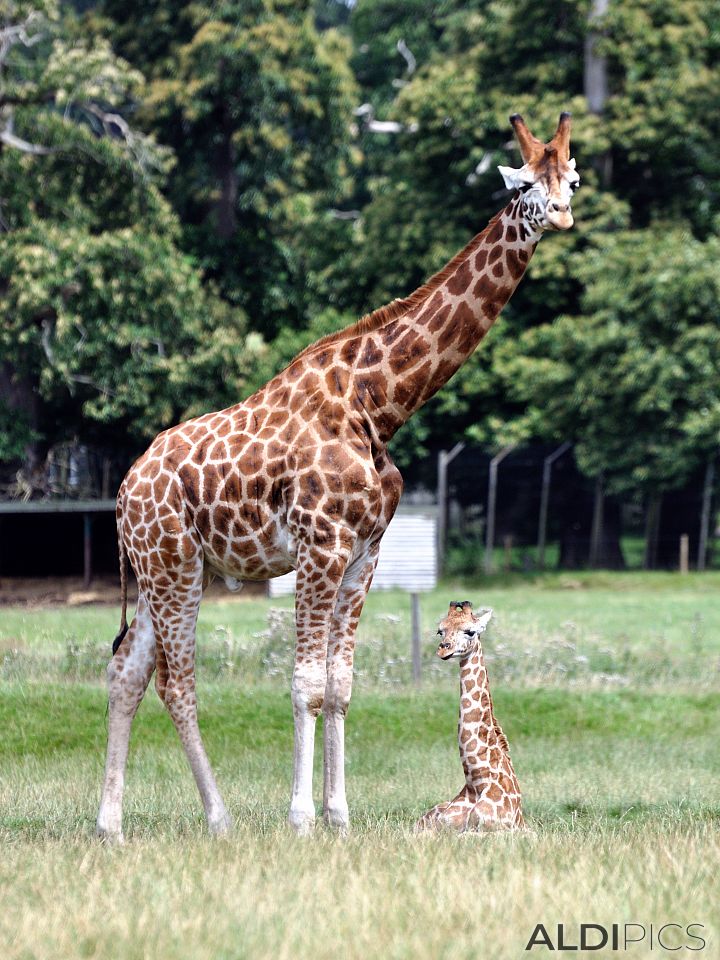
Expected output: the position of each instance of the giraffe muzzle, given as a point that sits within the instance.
(559, 216)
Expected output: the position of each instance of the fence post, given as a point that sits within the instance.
(684, 553)
(415, 621)
(545, 500)
(492, 499)
(507, 552)
(444, 459)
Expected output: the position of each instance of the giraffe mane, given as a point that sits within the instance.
(401, 305)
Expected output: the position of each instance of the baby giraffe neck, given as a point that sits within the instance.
(478, 737)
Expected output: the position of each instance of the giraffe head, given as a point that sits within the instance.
(547, 178)
(460, 630)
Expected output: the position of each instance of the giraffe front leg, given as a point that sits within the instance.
(338, 690)
(320, 569)
(308, 684)
(128, 675)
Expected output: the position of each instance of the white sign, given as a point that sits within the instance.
(408, 555)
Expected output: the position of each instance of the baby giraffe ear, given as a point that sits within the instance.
(483, 619)
(515, 179)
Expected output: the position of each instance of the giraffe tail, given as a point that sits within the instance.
(123, 592)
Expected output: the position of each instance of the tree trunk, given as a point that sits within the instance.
(596, 530)
(652, 531)
(19, 394)
(572, 501)
(227, 175)
(596, 81)
(682, 513)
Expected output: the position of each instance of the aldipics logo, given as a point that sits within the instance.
(618, 937)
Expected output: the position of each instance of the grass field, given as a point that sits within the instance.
(606, 685)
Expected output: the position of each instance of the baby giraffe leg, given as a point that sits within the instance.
(128, 675)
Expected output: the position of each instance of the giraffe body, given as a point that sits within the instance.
(490, 798)
(298, 477)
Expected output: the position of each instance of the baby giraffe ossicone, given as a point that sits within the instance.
(490, 799)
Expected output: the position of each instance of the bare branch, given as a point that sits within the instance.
(47, 332)
(112, 123)
(479, 170)
(407, 55)
(18, 33)
(8, 137)
(48, 329)
(370, 125)
(345, 214)
(116, 127)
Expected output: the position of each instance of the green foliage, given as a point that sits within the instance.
(119, 328)
(16, 433)
(103, 317)
(207, 161)
(632, 379)
(434, 185)
(257, 106)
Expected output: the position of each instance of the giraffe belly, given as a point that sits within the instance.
(244, 552)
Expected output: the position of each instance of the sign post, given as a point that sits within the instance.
(408, 559)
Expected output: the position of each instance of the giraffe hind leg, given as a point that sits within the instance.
(119, 639)
(128, 675)
(174, 614)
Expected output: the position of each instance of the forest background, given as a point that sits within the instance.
(190, 193)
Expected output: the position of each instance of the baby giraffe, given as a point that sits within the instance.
(490, 799)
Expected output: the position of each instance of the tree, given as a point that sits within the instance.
(107, 331)
(257, 106)
(436, 183)
(633, 379)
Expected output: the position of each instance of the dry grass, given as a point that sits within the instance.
(381, 893)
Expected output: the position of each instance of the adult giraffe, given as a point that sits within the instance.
(298, 476)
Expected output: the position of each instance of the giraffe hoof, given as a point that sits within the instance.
(221, 825)
(337, 818)
(111, 838)
(302, 822)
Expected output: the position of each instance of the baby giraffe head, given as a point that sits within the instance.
(460, 630)
(547, 178)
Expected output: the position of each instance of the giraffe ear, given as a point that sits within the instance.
(483, 619)
(516, 179)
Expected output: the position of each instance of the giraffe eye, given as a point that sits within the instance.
(574, 185)
(439, 633)
(470, 632)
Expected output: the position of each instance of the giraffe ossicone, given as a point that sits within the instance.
(298, 476)
(490, 798)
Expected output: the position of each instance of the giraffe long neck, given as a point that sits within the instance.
(479, 737)
(406, 361)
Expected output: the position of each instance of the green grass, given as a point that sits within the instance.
(591, 629)
(621, 798)
(617, 758)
